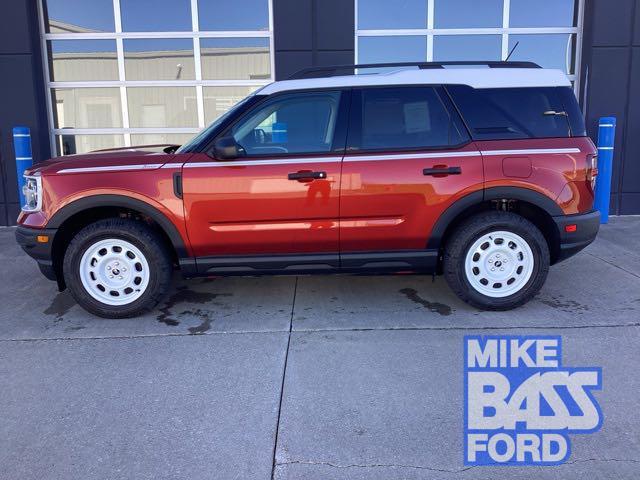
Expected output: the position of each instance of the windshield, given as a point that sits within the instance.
(195, 141)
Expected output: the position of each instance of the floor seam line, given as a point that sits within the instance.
(133, 337)
(440, 329)
(284, 374)
(613, 264)
(313, 330)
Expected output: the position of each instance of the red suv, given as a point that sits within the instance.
(484, 175)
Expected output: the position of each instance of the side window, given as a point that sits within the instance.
(505, 113)
(292, 123)
(571, 106)
(404, 118)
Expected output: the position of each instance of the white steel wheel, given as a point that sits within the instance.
(114, 272)
(499, 264)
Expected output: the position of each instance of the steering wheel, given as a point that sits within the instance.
(259, 136)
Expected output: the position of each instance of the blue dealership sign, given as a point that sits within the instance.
(521, 404)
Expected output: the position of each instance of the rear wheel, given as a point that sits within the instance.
(117, 268)
(496, 260)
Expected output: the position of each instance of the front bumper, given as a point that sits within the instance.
(41, 252)
(586, 229)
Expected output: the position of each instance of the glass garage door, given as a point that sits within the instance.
(134, 72)
(547, 32)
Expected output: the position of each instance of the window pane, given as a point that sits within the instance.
(549, 51)
(70, 144)
(87, 107)
(468, 13)
(218, 100)
(502, 113)
(401, 118)
(392, 49)
(212, 128)
(73, 16)
(570, 103)
(79, 60)
(159, 59)
(160, 139)
(467, 47)
(233, 15)
(235, 58)
(155, 15)
(541, 13)
(162, 107)
(379, 14)
(296, 123)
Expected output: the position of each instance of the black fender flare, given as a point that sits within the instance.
(110, 200)
(528, 195)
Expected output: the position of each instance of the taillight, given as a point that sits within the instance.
(592, 169)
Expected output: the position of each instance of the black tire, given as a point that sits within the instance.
(471, 230)
(141, 236)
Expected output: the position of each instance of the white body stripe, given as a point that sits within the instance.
(355, 158)
(410, 156)
(24, 158)
(264, 162)
(114, 168)
(530, 151)
(605, 148)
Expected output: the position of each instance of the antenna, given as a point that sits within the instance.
(512, 50)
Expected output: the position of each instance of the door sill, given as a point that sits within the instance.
(389, 262)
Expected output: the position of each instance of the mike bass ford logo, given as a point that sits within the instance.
(521, 403)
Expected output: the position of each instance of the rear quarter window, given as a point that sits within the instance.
(405, 118)
(512, 113)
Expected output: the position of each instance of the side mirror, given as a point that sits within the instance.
(226, 148)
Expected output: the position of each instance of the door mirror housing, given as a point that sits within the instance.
(226, 148)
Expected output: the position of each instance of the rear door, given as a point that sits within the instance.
(280, 197)
(408, 158)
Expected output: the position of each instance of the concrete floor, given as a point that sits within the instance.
(307, 377)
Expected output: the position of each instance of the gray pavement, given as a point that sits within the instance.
(298, 378)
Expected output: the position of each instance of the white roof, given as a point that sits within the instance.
(474, 77)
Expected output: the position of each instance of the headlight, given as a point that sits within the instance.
(32, 191)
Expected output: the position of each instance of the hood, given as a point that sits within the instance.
(147, 156)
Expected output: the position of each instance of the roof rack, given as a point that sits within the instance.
(333, 70)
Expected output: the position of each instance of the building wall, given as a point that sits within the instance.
(312, 33)
(22, 100)
(611, 86)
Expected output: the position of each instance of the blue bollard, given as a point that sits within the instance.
(22, 147)
(606, 137)
(279, 133)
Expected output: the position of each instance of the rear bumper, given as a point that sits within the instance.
(41, 252)
(586, 229)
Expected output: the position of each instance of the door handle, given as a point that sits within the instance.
(307, 175)
(442, 171)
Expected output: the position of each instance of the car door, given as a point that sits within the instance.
(408, 158)
(277, 204)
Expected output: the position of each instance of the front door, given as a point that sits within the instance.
(408, 158)
(279, 201)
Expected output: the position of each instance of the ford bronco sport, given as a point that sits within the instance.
(485, 175)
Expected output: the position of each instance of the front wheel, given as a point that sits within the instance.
(117, 268)
(496, 260)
